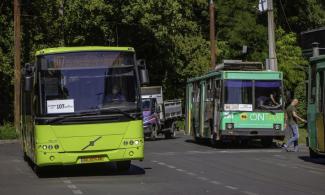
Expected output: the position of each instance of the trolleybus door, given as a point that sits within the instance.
(321, 115)
(216, 110)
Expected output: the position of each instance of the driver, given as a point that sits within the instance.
(263, 101)
(116, 95)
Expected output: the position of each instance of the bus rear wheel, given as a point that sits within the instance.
(123, 166)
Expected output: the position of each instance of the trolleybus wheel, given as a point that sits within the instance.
(267, 141)
(312, 154)
(123, 166)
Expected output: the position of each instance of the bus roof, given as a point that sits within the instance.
(83, 48)
(240, 75)
(318, 59)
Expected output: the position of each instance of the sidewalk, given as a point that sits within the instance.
(11, 141)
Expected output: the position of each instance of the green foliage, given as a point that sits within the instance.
(171, 35)
(300, 94)
(7, 131)
(290, 59)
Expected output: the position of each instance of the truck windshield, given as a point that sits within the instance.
(268, 94)
(146, 104)
(85, 81)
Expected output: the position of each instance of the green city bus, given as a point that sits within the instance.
(316, 106)
(82, 105)
(234, 104)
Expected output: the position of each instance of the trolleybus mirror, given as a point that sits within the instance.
(144, 76)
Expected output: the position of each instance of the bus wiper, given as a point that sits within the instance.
(62, 117)
(103, 110)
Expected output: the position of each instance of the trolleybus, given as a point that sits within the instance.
(316, 106)
(235, 102)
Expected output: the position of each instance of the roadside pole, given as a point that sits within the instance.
(272, 61)
(17, 43)
(212, 34)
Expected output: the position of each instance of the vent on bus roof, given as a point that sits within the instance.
(240, 65)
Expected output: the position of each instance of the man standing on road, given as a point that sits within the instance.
(292, 119)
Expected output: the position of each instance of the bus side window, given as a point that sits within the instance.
(320, 91)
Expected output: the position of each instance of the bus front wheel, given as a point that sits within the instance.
(123, 166)
(313, 154)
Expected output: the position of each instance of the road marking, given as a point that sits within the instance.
(154, 161)
(315, 172)
(202, 178)
(161, 163)
(180, 170)
(72, 186)
(77, 191)
(171, 166)
(249, 193)
(190, 173)
(231, 187)
(215, 182)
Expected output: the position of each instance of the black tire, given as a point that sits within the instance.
(123, 166)
(25, 157)
(39, 171)
(172, 133)
(313, 154)
(153, 135)
(267, 142)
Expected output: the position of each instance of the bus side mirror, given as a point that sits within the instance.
(28, 83)
(144, 77)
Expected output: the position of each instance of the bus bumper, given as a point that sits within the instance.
(74, 158)
(254, 133)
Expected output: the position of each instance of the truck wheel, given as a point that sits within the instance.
(153, 135)
(172, 133)
(123, 166)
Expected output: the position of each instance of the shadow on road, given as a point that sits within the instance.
(100, 169)
(320, 160)
(252, 144)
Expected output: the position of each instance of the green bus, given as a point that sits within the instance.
(234, 103)
(316, 106)
(82, 105)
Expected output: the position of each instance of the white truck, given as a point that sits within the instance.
(159, 116)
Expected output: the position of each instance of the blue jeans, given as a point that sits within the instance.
(295, 136)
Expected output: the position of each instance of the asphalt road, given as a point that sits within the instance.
(176, 166)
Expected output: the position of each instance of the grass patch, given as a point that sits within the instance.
(8, 131)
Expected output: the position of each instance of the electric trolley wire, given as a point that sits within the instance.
(285, 15)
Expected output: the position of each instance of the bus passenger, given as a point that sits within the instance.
(292, 119)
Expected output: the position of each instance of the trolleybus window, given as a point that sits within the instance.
(238, 92)
(268, 94)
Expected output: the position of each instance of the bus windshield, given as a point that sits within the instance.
(146, 104)
(85, 81)
(268, 94)
(239, 95)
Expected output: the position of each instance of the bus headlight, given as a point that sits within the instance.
(229, 125)
(277, 126)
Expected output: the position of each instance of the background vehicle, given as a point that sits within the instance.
(234, 102)
(316, 106)
(82, 105)
(159, 117)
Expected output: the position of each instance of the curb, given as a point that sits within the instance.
(11, 141)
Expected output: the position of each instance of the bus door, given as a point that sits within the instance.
(189, 105)
(320, 120)
(216, 110)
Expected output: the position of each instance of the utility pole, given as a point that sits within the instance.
(17, 31)
(212, 35)
(272, 61)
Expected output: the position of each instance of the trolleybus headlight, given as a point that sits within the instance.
(125, 142)
(277, 126)
(136, 142)
(50, 147)
(131, 142)
(56, 146)
(229, 125)
(44, 147)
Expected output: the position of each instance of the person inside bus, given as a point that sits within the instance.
(267, 101)
(116, 95)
